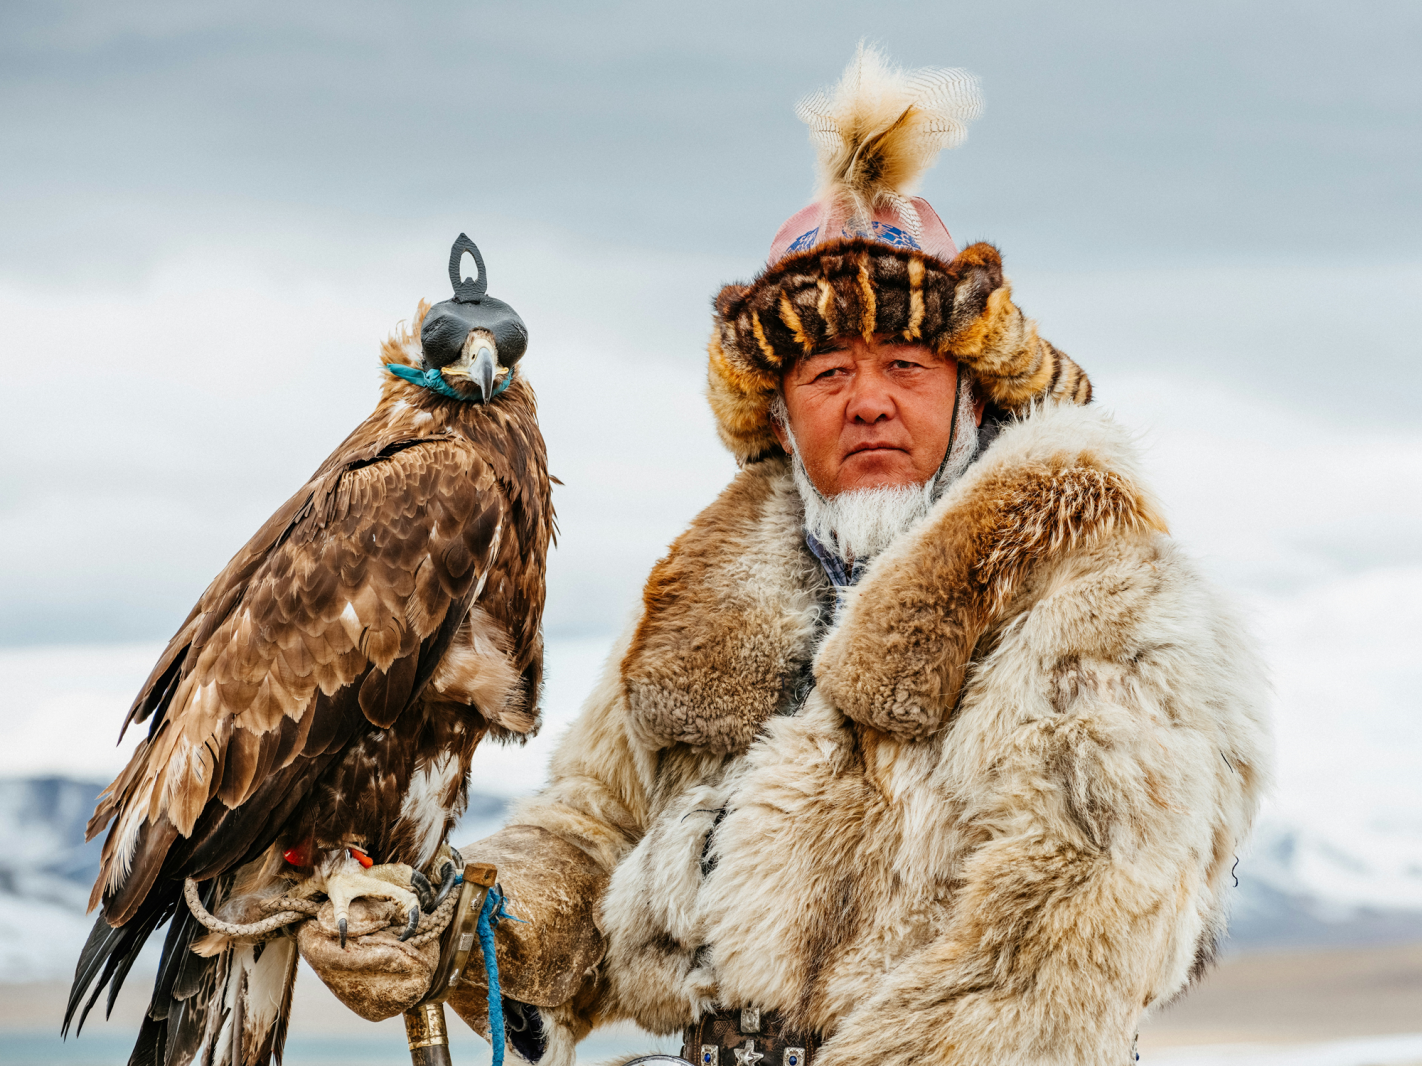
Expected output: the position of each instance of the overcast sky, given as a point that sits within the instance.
(1189, 130)
(210, 215)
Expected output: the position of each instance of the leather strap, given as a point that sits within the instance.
(747, 1038)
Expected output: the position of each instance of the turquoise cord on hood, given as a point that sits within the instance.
(433, 380)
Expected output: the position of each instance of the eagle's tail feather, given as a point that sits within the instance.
(151, 1045)
(228, 1010)
(232, 1009)
(267, 987)
(117, 978)
(182, 980)
(109, 954)
(97, 957)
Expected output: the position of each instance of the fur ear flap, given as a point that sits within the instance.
(979, 270)
(880, 128)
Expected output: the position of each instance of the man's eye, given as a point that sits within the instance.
(904, 364)
(824, 375)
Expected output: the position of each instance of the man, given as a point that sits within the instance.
(928, 743)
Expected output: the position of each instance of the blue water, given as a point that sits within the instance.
(373, 1047)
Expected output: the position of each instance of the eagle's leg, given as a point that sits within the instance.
(344, 879)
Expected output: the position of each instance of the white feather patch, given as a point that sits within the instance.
(262, 985)
(127, 837)
(266, 987)
(424, 804)
(350, 622)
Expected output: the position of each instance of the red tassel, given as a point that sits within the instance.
(300, 855)
(362, 858)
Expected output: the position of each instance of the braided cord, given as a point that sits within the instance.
(289, 910)
(262, 928)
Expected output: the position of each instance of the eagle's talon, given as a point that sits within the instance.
(344, 880)
(413, 925)
(448, 880)
(421, 884)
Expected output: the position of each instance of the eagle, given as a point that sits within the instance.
(311, 723)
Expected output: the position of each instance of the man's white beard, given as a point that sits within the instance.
(863, 522)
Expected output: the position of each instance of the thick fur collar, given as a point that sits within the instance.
(1060, 481)
(729, 614)
(727, 618)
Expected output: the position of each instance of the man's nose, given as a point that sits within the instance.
(870, 400)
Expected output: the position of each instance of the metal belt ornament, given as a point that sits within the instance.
(425, 1029)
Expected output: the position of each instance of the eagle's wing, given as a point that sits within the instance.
(339, 609)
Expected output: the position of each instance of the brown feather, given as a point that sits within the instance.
(335, 604)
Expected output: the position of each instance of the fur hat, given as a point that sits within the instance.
(868, 259)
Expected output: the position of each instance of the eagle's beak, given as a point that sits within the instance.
(481, 371)
(478, 365)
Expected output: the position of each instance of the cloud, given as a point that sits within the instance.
(1112, 129)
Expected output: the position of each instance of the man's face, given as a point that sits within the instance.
(870, 415)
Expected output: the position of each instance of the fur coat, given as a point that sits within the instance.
(998, 830)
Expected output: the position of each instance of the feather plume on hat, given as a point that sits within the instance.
(868, 259)
(881, 128)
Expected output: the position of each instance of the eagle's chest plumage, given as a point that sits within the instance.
(396, 789)
(396, 792)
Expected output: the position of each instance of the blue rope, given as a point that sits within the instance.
(489, 917)
(431, 378)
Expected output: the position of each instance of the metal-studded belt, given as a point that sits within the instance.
(747, 1037)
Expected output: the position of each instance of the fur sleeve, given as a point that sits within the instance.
(1117, 736)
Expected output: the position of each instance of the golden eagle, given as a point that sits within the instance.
(310, 725)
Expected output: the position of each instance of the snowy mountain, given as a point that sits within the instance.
(1278, 905)
(1337, 852)
(46, 870)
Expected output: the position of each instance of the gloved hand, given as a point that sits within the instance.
(547, 956)
(375, 974)
(370, 969)
(543, 959)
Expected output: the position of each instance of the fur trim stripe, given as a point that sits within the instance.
(915, 324)
(961, 309)
(825, 306)
(770, 354)
(868, 307)
(792, 321)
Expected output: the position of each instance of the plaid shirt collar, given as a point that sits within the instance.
(834, 568)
